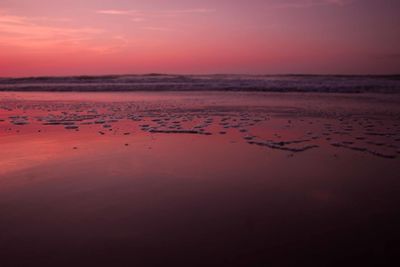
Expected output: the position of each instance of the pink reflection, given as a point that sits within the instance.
(112, 184)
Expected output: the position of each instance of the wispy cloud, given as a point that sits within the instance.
(160, 29)
(129, 12)
(184, 12)
(133, 15)
(116, 12)
(28, 27)
(154, 16)
(38, 33)
(191, 11)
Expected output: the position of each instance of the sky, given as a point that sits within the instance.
(94, 37)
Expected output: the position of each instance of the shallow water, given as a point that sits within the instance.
(198, 179)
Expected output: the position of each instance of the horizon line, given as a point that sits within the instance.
(191, 74)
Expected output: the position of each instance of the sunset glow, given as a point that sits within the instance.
(42, 37)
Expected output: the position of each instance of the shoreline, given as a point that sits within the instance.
(219, 83)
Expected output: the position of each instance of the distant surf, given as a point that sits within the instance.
(217, 82)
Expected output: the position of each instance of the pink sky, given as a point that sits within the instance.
(72, 37)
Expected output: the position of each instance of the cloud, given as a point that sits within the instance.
(138, 19)
(128, 12)
(27, 28)
(116, 12)
(161, 29)
(152, 16)
(39, 34)
(191, 11)
(132, 15)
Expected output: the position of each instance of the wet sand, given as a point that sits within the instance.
(198, 179)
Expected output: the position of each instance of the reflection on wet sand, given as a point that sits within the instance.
(376, 134)
(229, 179)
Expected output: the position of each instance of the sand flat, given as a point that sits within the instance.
(249, 176)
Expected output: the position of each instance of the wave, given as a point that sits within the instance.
(217, 82)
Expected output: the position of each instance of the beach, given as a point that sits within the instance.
(198, 178)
